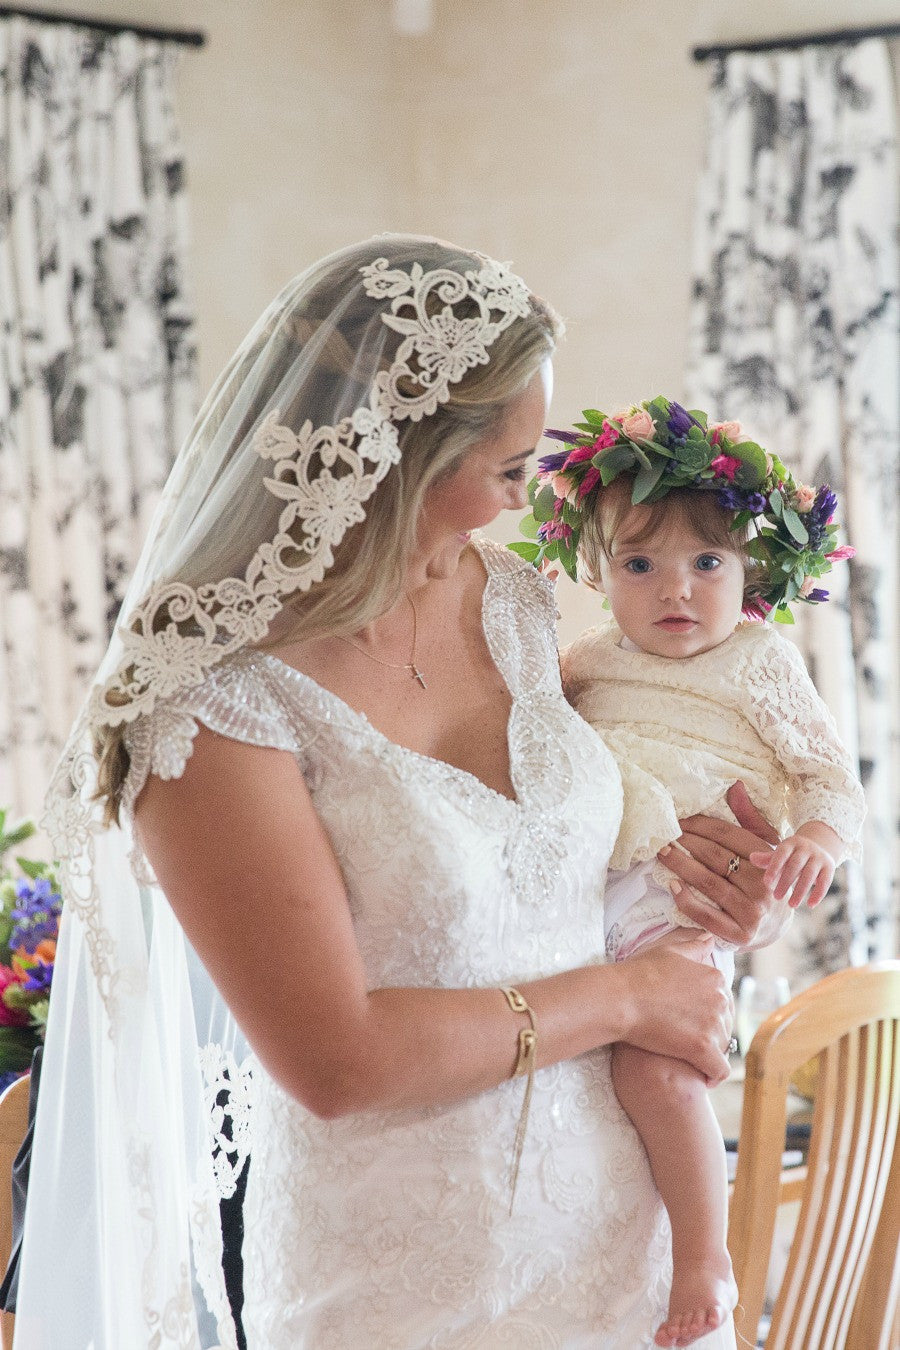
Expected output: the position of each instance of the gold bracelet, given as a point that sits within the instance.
(524, 1068)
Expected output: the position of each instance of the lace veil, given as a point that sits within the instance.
(143, 1122)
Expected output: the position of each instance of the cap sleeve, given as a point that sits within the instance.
(239, 699)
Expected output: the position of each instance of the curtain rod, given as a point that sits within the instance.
(186, 37)
(794, 40)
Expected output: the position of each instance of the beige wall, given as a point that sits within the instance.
(565, 135)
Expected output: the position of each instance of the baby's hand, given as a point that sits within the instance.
(799, 866)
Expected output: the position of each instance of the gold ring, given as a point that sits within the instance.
(733, 864)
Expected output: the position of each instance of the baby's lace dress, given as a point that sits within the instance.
(390, 1230)
(684, 730)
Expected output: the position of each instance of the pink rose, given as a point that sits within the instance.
(638, 424)
(803, 498)
(561, 485)
(725, 466)
(839, 554)
(718, 431)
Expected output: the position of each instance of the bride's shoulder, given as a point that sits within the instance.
(500, 562)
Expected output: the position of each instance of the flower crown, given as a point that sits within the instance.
(664, 447)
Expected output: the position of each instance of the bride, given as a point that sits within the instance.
(334, 850)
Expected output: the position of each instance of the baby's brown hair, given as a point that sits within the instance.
(696, 509)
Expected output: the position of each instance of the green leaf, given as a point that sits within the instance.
(699, 415)
(568, 556)
(17, 1045)
(594, 416)
(35, 870)
(753, 462)
(795, 525)
(529, 526)
(782, 616)
(545, 505)
(612, 462)
(654, 447)
(527, 551)
(17, 835)
(645, 481)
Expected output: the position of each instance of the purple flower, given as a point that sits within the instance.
(553, 463)
(737, 499)
(569, 437)
(36, 916)
(819, 515)
(679, 421)
(40, 978)
(816, 595)
(825, 504)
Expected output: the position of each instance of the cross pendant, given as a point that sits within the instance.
(417, 675)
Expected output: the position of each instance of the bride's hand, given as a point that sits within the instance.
(675, 1010)
(723, 892)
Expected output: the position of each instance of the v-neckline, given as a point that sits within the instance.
(443, 765)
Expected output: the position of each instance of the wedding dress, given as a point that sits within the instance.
(392, 1230)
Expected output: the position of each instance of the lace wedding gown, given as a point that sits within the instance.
(391, 1230)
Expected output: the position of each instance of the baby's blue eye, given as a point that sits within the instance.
(707, 562)
(638, 565)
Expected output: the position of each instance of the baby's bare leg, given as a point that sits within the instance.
(667, 1102)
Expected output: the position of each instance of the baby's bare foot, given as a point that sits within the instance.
(702, 1297)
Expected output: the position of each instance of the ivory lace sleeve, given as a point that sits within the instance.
(787, 711)
(239, 699)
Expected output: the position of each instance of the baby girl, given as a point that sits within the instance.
(689, 531)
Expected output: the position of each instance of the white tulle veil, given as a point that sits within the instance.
(143, 1122)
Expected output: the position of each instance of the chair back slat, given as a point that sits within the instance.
(872, 1327)
(883, 1084)
(844, 1248)
(847, 1215)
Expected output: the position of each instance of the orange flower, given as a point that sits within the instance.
(23, 963)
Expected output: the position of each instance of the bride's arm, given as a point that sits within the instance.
(251, 875)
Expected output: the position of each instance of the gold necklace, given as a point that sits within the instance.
(409, 665)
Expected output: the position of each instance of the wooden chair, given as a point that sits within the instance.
(13, 1124)
(842, 1281)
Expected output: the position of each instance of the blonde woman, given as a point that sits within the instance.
(334, 849)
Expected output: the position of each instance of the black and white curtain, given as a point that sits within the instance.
(795, 332)
(96, 359)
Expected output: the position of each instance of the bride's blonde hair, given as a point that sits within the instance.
(366, 576)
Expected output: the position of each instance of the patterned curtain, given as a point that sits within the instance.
(795, 332)
(96, 359)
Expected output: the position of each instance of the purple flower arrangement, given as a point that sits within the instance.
(30, 908)
(665, 447)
